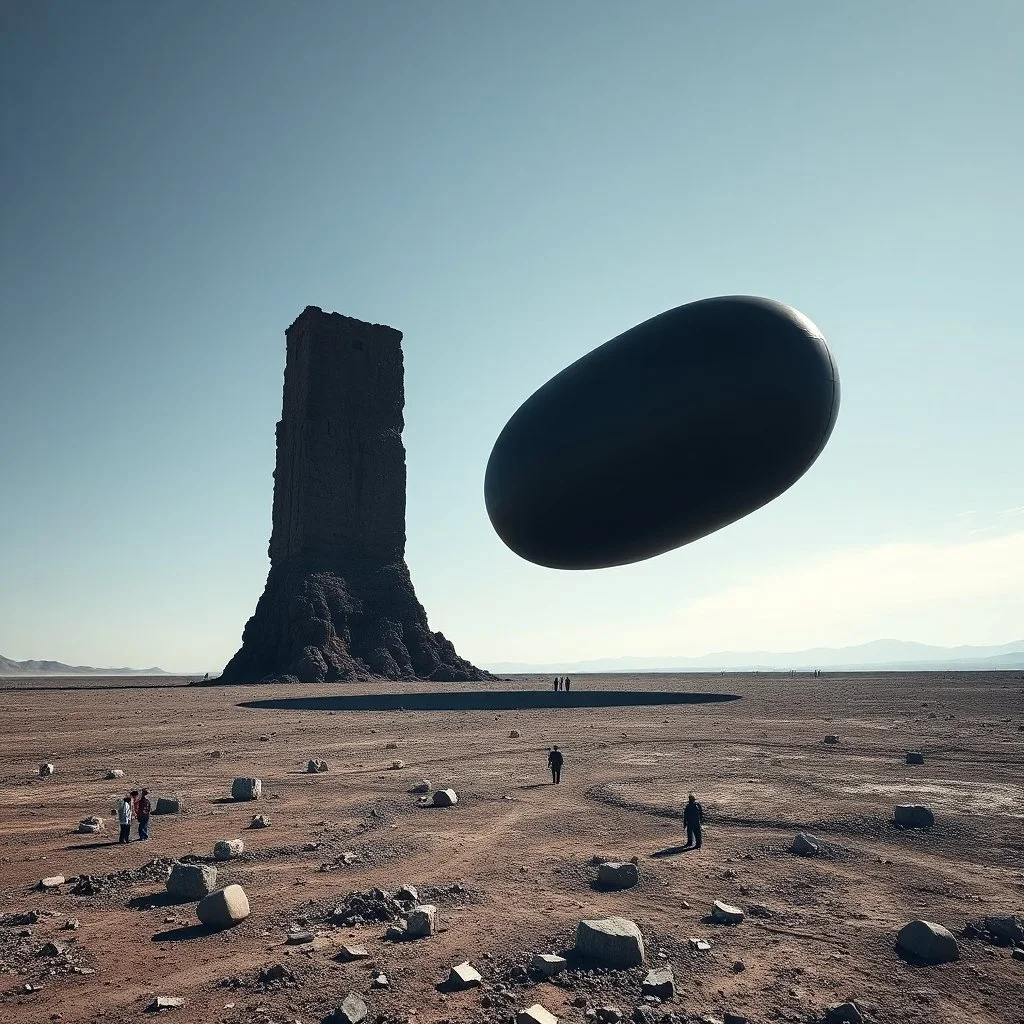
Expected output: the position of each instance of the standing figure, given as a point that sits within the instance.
(693, 815)
(565, 683)
(124, 818)
(143, 809)
(555, 683)
(555, 760)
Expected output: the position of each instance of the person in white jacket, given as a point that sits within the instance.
(124, 817)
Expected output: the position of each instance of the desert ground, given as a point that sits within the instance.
(511, 867)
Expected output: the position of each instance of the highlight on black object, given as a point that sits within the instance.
(674, 429)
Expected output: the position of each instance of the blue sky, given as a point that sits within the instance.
(510, 185)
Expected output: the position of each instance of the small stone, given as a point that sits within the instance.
(115, 773)
(90, 826)
(660, 983)
(608, 1014)
(46, 770)
(381, 981)
(391, 746)
(259, 821)
(53, 949)
(72, 924)
(1007, 927)
(928, 943)
(224, 908)
(227, 849)
(514, 734)
(805, 845)
(445, 798)
(53, 882)
(617, 875)
(548, 964)
(396, 765)
(264, 738)
(725, 913)
(167, 805)
(464, 975)
(395, 933)
(913, 757)
(913, 816)
(735, 1018)
(349, 953)
(408, 894)
(1018, 953)
(831, 738)
(165, 1003)
(421, 787)
(843, 1013)
(315, 766)
(422, 921)
(299, 938)
(535, 1014)
(244, 788)
(700, 945)
(351, 1011)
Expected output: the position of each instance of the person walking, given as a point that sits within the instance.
(555, 761)
(143, 809)
(693, 816)
(124, 818)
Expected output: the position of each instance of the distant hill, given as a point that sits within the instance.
(58, 668)
(879, 655)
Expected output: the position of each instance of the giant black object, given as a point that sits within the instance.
(674, 429)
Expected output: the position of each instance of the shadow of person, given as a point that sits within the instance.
(92, 846)
(671, 851)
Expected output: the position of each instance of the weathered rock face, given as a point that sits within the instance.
(339, 602)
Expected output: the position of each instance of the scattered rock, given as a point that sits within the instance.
(514, 734)
(395, 765)
(734, 1018)
(115, 773)
(391, 746)
(53, 949)
(90, 826)
(246, 789)
(548, 964)
(408, 894)
(187, 882)
(659, 983)
(805, 845)
(463, 976)
(535, 1014)
(913, 816)
(395, 933)
(927, 942)
(315, 766)
(53, 882)
(351, 1011)
(831, 738)
(700, 945)
(613, 941)
(843, 1013)
(46, 770)
(381, 981)
(165, 1003)
(913, 757)
(615, 874)
(259, 821)
(224, 908)
(421, 787)
(264, 738)
(167, 805)
(226, 849)
(725, 913)
(72, 924)
(349, 953)
(1007, 929)
(422, 921)
(299, 938)
(445, 798)
(608, 1014)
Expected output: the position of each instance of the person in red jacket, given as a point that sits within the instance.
(143, 809)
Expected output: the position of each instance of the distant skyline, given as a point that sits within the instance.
(510, 186)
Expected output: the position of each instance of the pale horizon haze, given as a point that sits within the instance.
(510, 185)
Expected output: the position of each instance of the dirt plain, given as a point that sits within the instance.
(510, 867)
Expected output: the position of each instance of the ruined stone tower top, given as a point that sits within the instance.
(339, 485)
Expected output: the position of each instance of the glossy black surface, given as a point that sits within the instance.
(674, 429)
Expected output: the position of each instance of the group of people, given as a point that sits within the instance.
(135, 806)
(562, 682)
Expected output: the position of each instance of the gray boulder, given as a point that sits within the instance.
(167, 805)
(535, 1014)
(187, 882)
(227, 849)
(464, 976)
(726, 913)
(315, 766)
(115, 773)
(612, 941)
(548, 964)
(659, 983)
(421, 787)
(446, 798)
(224, 908)
(52, 882)
(831, 738)
(408, 894)
(843, 1013)
(615, 874)
(915, 757)
(913, 816)
(805, 845)
(927, 942)
(246, 789)
(514, 734)
(90, 826)
(1008, 927)
(396, 765)
(422, 922)
(165, 1003)
(259, 821)
(351, 1011)
(349, 953)
(46, 770)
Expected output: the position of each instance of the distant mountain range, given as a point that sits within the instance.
(879, 655)
(58, 668)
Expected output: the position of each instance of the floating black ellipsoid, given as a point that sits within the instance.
(674, 429)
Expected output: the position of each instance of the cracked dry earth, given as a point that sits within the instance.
(510, 866)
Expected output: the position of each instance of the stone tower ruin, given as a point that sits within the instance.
(339, 602)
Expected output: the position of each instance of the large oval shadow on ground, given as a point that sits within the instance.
(486, 700)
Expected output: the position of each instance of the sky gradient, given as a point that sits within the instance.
(510, 185)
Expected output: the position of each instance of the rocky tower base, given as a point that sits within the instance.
(339, 603)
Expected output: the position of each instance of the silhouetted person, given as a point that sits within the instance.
(565, 683)
(693, 816)
(555, 683)
(124, 818)
(143, 809)
(555, 760)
